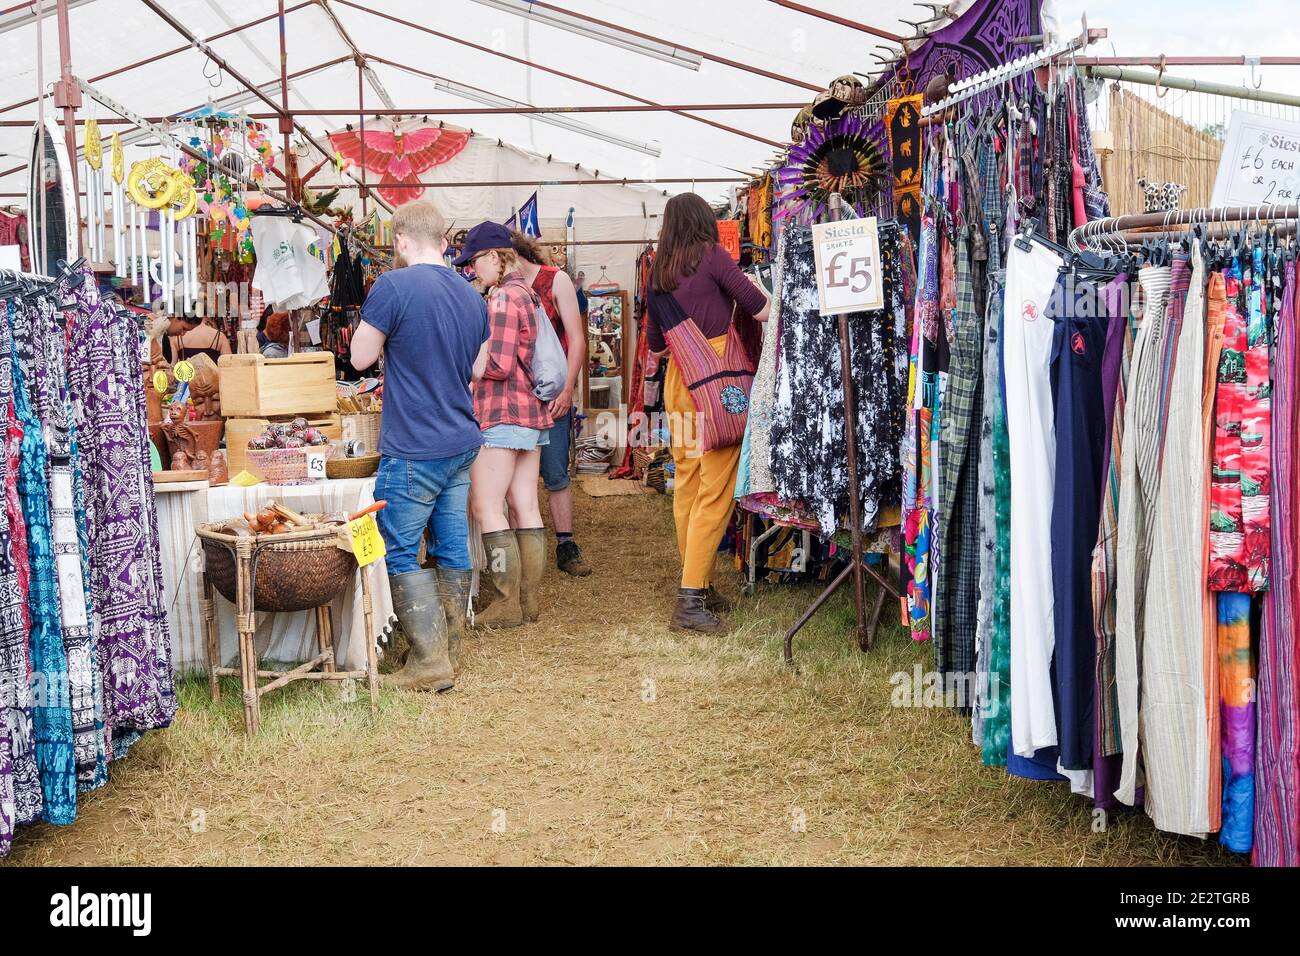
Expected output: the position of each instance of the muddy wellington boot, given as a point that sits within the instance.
(504, 571)
(690, 614)
(532, 565)
(568, 558)
(453, 590)
(419, 611)
(487, 593)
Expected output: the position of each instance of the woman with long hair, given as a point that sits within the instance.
(696, 291)
(515, 425)
(560, 300)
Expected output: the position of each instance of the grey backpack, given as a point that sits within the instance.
(550, 364)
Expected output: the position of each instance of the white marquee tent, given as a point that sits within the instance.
(466, 54)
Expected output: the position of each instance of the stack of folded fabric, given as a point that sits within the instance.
(594, 454)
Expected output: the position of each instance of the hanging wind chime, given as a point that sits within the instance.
(155, 185)
(118, 173)
(94, 179)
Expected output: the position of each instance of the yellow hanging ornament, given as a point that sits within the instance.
(94, 148)
(153, 184)
(119, 159)
(187, 197)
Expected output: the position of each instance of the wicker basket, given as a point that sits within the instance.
(297, 571)
(285, 466)
(362, 467)
(363, 427)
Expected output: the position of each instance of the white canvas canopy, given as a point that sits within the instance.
(107, 35)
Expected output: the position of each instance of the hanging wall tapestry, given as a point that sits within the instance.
(903, 123)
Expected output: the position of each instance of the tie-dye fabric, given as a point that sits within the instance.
(1237, 712)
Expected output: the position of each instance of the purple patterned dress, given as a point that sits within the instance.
(109, 415)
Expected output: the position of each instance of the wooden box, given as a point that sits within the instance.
(256, 387)
(240, 430)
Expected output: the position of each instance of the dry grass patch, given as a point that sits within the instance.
(599, 737)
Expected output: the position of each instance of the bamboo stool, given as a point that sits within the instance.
(323, 571)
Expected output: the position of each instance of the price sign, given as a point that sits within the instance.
(316, 465)
(847, 256)
(184, 371)
(729, 237)
(367, 542)
(1260, 162)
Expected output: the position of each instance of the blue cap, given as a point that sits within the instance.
(484, 236)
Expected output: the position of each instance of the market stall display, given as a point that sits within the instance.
(298, 563)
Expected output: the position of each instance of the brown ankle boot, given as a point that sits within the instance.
(690, 614)
(717, 602)
(532, 564)
(568, 558)
(503, 568)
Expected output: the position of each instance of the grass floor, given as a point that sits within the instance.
(597, 736)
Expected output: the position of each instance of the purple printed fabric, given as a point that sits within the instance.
(978, 40)
(108, 411)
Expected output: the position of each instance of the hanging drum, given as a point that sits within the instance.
(52, 205)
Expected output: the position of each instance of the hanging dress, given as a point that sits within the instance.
(51, 394)
(122, 525)
(20, 785)
(52, 714)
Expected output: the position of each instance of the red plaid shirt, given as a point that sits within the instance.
(504, 396)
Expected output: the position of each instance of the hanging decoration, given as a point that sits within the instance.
(842, 157)
(903, 122)
(93, 174)
(117, 171)
(168, 192)
(235, 147)
(399, 157)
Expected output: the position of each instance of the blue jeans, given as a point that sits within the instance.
(425, 494)
(555, 456)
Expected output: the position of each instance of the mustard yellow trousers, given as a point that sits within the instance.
(705, 483)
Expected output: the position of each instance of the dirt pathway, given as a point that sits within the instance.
(598, 737)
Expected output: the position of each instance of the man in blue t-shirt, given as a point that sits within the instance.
(432, 328)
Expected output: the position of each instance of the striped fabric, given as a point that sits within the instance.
(719, 385)
(1104, 565)
(1138, 484)
(1175, 742)
(1277, 764)
(922, 403)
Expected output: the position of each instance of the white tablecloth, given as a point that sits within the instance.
(182, 506)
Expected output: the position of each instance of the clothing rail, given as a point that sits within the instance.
(1207, 216)
(981, 82)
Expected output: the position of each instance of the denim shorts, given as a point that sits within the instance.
(555, 454)
(515, 437)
